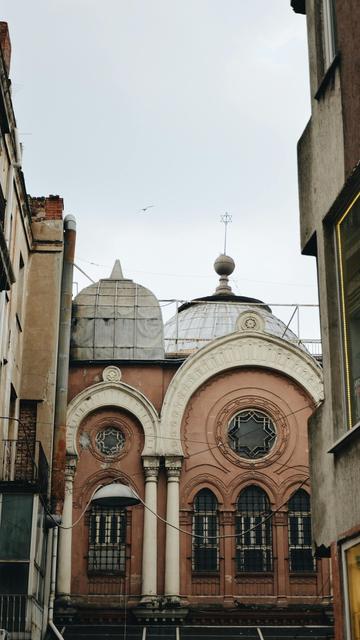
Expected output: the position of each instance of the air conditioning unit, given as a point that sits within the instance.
(4, 635)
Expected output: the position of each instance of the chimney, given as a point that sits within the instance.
(50, 208)
(5, 45)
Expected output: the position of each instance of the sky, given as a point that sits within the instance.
(192, 106)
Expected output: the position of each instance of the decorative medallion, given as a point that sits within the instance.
(110, 441)
(250, 321)
(111, 374)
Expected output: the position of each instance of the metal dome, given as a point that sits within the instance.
(203, 321)
(116, 319)
(210, 317)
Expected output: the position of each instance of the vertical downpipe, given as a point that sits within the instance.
(59, 448)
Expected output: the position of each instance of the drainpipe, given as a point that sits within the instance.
(59, 444)
(53, 584)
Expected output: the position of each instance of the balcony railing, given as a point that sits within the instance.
(24, 464)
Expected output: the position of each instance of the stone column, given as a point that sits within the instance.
(281, 560)
(172, 547)
(227, 551)
(149, 557)
(65, 537)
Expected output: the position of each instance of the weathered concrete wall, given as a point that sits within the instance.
(39, 358)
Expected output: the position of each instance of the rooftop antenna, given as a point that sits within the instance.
(226, 218)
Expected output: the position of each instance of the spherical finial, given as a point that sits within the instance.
(224, 265)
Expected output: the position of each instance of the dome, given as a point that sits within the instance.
(210, 317)
(116, 319)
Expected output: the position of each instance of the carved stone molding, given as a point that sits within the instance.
(241, 349)
(110, 394)
(151, 467)
(173, 467)
(252, 402)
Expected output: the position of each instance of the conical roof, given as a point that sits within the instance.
(116, 319)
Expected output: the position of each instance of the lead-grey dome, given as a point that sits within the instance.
(116, 319)
(204, 319)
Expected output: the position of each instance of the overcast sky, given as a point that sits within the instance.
(193, 106)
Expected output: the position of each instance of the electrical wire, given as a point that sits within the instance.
(61, 526)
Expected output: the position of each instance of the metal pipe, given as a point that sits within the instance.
(59, 445)
(53, 584)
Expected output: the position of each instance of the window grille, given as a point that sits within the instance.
(251, 434)
(205, 549)
(107, 540)
(253, 548)
(299, 519)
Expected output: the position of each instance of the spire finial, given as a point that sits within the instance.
(116, 273)
(225, 218)
(224, 266)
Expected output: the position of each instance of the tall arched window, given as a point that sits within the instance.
(107, 540)
(299, 519)
(254, 540)
(205, 543)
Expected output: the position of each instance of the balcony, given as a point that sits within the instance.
(23, 466)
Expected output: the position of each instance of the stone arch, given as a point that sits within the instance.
(203, 481)
(114, 394)
(245, 349)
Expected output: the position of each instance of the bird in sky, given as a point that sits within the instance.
(145, 209)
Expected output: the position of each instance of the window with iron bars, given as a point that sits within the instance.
(299, 523)
(107, 541)
(205, 549)
(254, 539)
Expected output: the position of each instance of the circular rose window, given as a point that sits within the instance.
(110, 441)
(251, 434)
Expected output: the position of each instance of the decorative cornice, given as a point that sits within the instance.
(113, 394)
(240, 349)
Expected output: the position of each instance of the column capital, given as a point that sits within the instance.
(70, 468)
(151, 467)
(173, 467)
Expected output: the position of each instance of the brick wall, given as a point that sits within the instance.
(5, 45)
(49, 208)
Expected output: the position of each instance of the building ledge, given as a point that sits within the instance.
(346, 440)
(327, 77)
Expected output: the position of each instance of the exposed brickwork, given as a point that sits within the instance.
(5, 45)
(27, 420)
(49, 208)
(25, 449)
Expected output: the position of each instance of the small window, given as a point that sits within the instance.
(20, 289)
(205, 549)
(107, 541)
(299, 519)
(253, 528)
(251, 434)
(348, 247)
(329, 40)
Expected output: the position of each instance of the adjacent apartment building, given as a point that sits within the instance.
(329, 191)
(31, 256)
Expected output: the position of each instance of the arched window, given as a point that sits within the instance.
(107, 540)
(205, 543)
(299, 519)
(254, 540)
